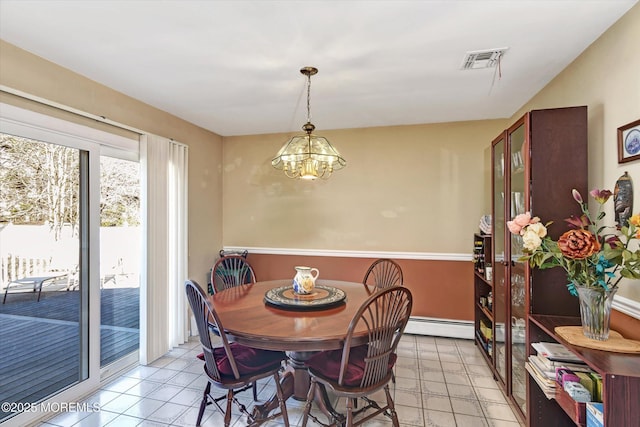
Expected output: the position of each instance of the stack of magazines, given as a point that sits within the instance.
(542, 366)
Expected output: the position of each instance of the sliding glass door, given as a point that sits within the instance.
(59, 182)
(120, 248)
(43, 270)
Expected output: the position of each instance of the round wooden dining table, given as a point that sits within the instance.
(251, 319)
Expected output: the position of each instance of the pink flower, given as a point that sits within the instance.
(601, 196)
(520, 222)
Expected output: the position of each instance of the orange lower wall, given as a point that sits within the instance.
(441, 289)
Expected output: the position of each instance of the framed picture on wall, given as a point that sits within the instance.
(629, 142)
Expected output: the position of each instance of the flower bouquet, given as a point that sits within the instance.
(594, 257)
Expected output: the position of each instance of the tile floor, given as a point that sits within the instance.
(439, 382)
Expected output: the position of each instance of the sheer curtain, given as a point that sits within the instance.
(163, 315)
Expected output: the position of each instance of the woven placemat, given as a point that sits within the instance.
(616, 342)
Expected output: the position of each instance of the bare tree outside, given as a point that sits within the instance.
(39, 182)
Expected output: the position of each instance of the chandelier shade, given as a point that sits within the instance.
(308, 156)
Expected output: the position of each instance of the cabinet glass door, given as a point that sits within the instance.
(518, 192)
(499, 265)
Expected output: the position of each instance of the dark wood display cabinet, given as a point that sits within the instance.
(483, 295)
(620, 382)
(535, 165)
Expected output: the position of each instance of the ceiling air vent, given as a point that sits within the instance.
(482, 58)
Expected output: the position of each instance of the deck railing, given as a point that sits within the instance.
(14, 267)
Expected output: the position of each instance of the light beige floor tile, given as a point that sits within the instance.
(436, 402)
(439, 382)
(409, 384)
(467, 407)
(97, 419)
(403, 372)
(121, 384)
(453, 367)
(141, 372)
(167, 413)
(498, 411)
(439, 419)
(479, 370)
(121, 403)
(446, 357)
(187, 397)
(463, 420)
(183, 379)
(199, 383)
(455, 378)
(102, 397)
(434, 387)
(188, 418)
(177, 352)
(503, 423)
(124, 421)
(143, 388)
(144, 408)
(428, 355)
(483, 382)
(432, 376)
(407, 361)
(149, 423)
(430, 365)
(165, 392)
(178, 364)
(161, 362)
(67, 419)
(162, 375)
(474, 359)
(461, 391)
(404, 398)
(490, 395)
(195, 368)
(410, 415)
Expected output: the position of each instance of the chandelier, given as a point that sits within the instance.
(308, 156)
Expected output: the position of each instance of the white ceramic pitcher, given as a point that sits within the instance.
(304, 280)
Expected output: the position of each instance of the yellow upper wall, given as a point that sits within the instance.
(405, 188)
(33, 75)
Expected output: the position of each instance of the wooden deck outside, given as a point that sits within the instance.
(39, 341)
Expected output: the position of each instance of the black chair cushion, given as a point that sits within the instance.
(327, 365)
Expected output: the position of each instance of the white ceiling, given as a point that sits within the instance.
(233, 66)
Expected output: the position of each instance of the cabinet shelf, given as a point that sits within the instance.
(482, 277)
(620, 378)
(485, 311)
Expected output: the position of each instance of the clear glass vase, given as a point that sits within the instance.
(595, 311)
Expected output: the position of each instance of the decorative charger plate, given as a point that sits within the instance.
(321, 297)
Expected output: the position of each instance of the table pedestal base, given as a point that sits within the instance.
(295, 383)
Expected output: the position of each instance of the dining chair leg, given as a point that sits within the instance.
(392, 408)
(281, 400)
(349, 421)
(255, 391)
(227, 412)
(309, 402)
(203, 404)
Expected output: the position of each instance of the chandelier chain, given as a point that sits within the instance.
(308, 98)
